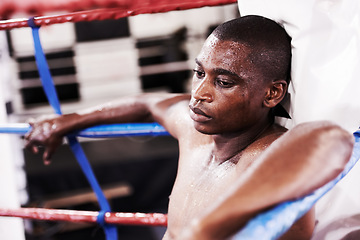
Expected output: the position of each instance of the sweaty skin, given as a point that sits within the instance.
(234, 161)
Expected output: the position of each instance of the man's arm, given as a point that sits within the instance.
(300, 161)
(141, 108)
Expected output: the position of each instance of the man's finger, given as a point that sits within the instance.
(30, 146)
(47, 157)
(34, 149)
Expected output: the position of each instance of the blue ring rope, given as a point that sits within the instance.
(50, 91)
(100, 131)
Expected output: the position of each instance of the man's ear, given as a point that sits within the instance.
(275, 93)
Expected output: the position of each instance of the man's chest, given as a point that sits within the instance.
(196, 189)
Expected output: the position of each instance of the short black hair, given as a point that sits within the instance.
(269, 43)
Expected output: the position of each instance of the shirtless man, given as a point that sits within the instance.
(229, 167)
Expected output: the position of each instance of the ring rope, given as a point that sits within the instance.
(50, 92)
(113, 218)
(100, 131)
(130, 9)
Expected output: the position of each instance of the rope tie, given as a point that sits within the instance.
(101, 218)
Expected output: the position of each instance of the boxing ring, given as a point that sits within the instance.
(268, 225)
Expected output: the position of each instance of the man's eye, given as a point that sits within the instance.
(199, 74)
(224, 84)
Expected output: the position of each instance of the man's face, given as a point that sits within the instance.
(227, 91)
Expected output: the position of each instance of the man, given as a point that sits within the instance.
(227, 170)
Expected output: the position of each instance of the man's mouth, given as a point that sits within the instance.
(198, 115)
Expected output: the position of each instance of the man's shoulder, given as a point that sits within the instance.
(271, 134)
(265, 140)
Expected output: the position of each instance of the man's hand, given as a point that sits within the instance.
(47, 132)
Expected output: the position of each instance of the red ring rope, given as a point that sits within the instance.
(139, 7)
(149, 219)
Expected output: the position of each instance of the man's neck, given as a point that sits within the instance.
(227, 146)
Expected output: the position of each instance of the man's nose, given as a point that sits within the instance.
(202, 91)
